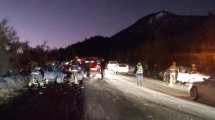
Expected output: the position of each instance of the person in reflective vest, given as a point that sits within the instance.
(139, 74)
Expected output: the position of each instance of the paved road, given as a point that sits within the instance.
(136, 93)
(180, 91)
(108, 99)
(106, 102)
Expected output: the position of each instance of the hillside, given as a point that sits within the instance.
(160, 34)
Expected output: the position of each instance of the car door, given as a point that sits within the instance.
(183, 77)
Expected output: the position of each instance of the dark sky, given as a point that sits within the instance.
(63, 22)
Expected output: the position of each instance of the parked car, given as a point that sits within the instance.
(53, 74)
(112, 65)
(36, 78)
(74, 75)
(41, 76)
(204, 90)
(185, 75)
(94, 69)
(93, 66)
(122, 68)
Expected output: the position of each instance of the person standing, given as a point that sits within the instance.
(173, 73)
(146, 69)
(102, 67)
(139, 74)
(193, 68)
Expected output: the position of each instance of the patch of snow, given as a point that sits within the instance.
(160, 15)
(9, 85)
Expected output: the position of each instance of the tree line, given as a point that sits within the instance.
(19, 57)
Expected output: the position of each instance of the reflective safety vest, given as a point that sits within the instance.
(139, 69)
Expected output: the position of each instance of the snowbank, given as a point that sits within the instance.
(9, 86)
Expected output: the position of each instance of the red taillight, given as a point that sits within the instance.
(94, 65)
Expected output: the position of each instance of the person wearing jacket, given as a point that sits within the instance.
(139, 74)
(102, 67)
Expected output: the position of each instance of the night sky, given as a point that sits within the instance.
(63, 22)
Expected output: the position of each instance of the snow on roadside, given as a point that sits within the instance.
(10, 85)
(196, 109)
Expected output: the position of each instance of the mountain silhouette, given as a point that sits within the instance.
(155, 37)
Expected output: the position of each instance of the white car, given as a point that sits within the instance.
(186, 76)
(122, 68)
(191, 77)
(112, 65)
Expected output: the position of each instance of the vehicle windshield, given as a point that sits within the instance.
(49, 68)
(113, 62)
(122, 65)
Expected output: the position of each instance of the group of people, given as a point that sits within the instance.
(173, 69)
(84, 68)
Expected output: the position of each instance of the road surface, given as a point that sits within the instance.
(106, 102)
(178, 90)
(131, 90)
(109, 99)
